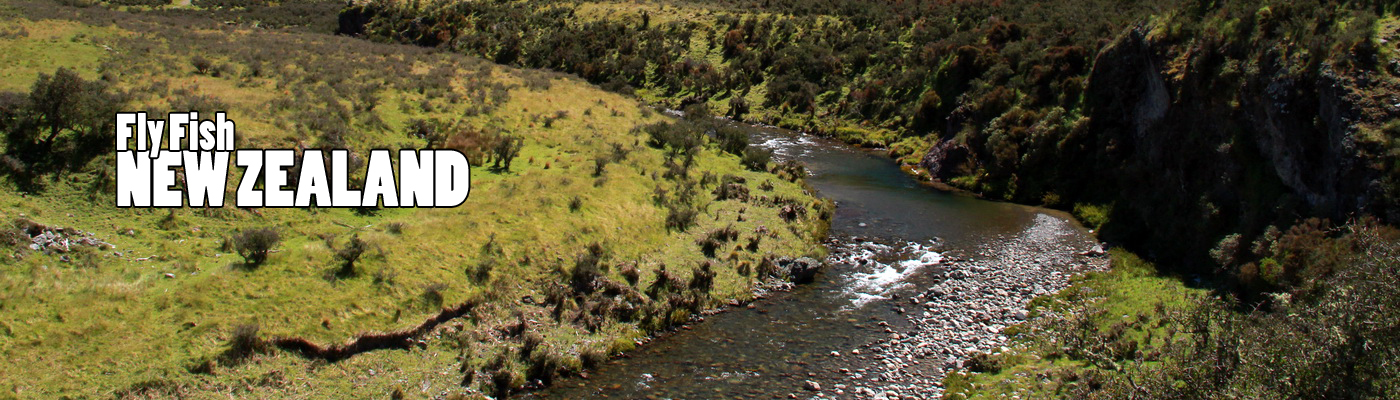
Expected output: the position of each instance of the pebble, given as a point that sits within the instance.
(964, 313)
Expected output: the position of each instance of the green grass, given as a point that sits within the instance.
(1129, 303)
(34, 47)
(120, 325)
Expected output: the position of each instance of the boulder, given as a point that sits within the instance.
(801, 270)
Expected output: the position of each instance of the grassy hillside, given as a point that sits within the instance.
(557, 254)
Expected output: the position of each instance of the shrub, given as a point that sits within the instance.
(575, 203)
(664, 283)
(680, 217)
(1093, 216)
(631, 273)
(791, 212)
(243, 342)
(702, 279)
(432, 294)
(732, 187)
(733, 140)
(592, 357)
(756, 158)
(716, 238)
(679, 138)
(349, 254)
(503, 376)
(600, 164)
(983, 363)
(482, 272)
(201, 65)
(738, 107)
(255, 244)
(1227, 250)
(585, 275)
(791, 171)
(394, 227)
(544, 364)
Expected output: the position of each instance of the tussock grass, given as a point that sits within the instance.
(156, 315)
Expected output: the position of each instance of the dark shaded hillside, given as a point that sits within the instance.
(1195, 135)
(1176, 123)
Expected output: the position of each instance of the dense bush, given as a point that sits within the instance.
(255, 244)
(64, 122)
(1339, 341)
(732, 139)
(679, 139)
(757, 158)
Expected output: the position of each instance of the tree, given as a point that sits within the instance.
(506, 149)
(64, 120)
(349, 254)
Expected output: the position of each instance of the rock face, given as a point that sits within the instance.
(1191, 144)
(1318, 162)
(947, 159)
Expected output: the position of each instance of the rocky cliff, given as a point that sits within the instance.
(1194, 137)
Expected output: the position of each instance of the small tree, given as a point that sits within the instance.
(505, 150)
(349, 254)
(255, 244)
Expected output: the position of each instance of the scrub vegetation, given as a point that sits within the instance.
(1131, 333)
(1246, 149)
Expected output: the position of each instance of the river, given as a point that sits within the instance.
(889, 237)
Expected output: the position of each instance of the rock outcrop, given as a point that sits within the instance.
(1192, 139)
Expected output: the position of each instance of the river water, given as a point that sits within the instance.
(772, 349)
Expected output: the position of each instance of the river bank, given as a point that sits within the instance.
(892, 239)
(963, 309)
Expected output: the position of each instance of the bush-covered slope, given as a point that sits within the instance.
(1178, 123)
(1255, 143)
(1130, 333)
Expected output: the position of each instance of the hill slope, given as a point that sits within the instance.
(553, 262)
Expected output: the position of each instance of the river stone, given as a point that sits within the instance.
(802, 270)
